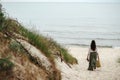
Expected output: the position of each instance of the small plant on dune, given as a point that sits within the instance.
(2, 18)
(63, 51)
(16, 47)
(67, 57)
(5, 64)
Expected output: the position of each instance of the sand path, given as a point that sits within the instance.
(110, 69)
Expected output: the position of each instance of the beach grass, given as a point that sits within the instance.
(45, 44)
(5, 64)
(67, 57)
(2, 18)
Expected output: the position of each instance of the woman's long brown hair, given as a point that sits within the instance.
(93, 45)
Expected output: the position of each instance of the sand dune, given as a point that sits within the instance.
(110, 69)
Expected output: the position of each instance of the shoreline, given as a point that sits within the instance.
(87, 46)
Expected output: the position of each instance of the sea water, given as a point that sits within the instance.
(70, 23)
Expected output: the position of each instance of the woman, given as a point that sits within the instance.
(92, 56)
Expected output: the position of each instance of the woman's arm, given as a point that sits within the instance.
(97, 54)
(88, 55)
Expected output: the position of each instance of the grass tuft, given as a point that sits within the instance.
(2, 18)
(16, 47)
(67, 57)
(5, 64)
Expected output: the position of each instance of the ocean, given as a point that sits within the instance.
(70, 23)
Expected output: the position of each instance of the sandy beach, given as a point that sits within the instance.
(110, 68)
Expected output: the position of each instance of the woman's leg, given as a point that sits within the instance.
(90, 64)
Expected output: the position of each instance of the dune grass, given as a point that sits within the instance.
(5, 64)
(2, 18)
(67, 57)
(41, 42)
(38, 41)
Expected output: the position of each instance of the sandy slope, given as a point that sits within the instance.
(110, 69)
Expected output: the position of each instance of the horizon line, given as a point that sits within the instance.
(54, 2)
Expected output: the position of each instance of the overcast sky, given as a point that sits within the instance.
(109, 1)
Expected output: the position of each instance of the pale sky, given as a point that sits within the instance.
(109, 1)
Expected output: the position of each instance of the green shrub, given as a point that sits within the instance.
(1, 20)
(5, 64)
(16, 47)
